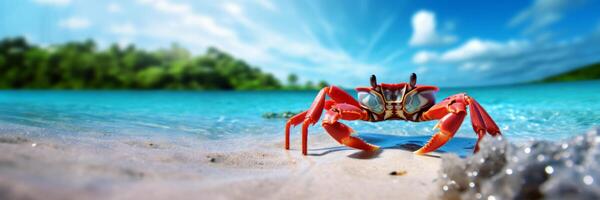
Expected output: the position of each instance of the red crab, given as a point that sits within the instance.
(402, 101)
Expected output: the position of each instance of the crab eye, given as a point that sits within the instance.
(371, 101)
(417, 101)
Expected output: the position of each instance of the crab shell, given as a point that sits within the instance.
(396, 101)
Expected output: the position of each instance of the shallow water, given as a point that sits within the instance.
(524, 112)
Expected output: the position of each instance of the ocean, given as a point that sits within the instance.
(523, 112)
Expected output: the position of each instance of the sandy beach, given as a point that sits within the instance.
(109, 167)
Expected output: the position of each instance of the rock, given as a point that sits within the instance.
(283, 115)
(567, 169)
(398, 173)
(13, 140)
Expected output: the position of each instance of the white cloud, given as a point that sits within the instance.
(53, 2)
(476, 47)
(113, 8)
(323, 61)
(422, 57)
(542, 13)
(274, 51)
(232, 8)
(167, 6)
(185, 13)
(267, 5)
(485, 62)
(74, 23)
(424, 30)
(472, 49)
(123, 29)
(208, 24)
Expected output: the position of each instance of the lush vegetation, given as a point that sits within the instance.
(588, 72)
(81, 65)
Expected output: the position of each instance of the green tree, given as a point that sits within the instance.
(309, 85)
(322, 84)
(81, 65)
(292, 79)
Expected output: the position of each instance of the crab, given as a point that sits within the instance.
(401, 101)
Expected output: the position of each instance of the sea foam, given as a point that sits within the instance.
(568, 169)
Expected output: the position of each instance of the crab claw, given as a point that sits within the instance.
(341, 132)
(344, 135)
(448, 126)
(452, 112)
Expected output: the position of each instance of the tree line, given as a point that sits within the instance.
(82, 65)
(588, 72)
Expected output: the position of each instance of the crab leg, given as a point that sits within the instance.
(295, 120)
(312, 115)
(341, 132)
(486, 122)
(481, 122)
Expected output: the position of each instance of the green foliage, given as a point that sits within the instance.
(80, 65)
(292, 80)
(584, 73)
(322, 84)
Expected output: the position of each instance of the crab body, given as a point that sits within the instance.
(402, 101)
(396, 101)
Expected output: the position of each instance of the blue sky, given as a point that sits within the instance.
(447, 43)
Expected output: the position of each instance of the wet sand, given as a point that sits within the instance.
(182, 167)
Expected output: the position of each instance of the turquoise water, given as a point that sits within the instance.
(523, 112)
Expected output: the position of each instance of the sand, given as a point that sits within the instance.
(183, 167)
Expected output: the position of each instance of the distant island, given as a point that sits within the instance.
(81, 65)
(588, 72)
